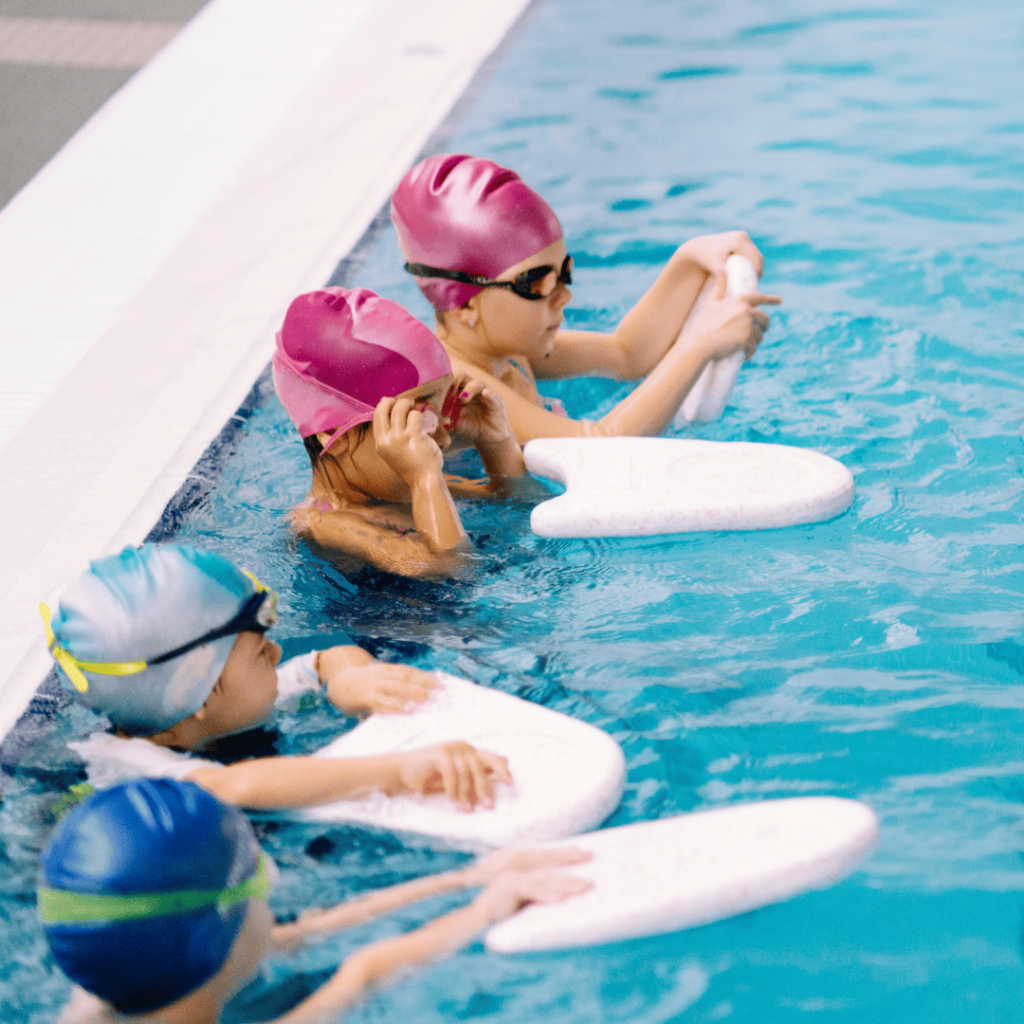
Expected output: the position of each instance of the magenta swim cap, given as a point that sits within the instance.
(459, 212)
(341, 350)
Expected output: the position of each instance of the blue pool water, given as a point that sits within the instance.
(875, 154)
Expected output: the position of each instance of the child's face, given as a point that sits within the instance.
(513, 325)
(252, 945)
(247, 688)
(370, 471)
(375, 475)
(433, 397)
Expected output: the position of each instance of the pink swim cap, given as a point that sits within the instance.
(459, 212)
(341, 350)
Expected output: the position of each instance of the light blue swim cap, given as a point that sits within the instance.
(143, 890)
(118, 628)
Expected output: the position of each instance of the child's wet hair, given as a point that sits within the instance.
(314, 449)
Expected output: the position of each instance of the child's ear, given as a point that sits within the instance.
(468, 313)
(340, 446)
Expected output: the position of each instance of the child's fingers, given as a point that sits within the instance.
(554, 887)
(497, 764)
(409, 694)
(471, 390)
(538, 860)
(563, 856)
(404, 414)
(472, 787)
(403, 679)
(401, 700)
(745, 247)
(449, 776)
(483, 787)
(762, 299)
(382, 418)
(393, 704)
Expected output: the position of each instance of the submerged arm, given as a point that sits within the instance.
(368, 967)
(383, 901)
(405, 554)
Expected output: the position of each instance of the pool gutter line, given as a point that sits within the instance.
(102, 454)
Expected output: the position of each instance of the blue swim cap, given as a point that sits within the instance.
(116, 625)
(143, 891)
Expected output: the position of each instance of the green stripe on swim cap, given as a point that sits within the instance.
(61, 906)
(142, 838)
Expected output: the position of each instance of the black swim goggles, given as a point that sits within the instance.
(257, 615)
(533, 284)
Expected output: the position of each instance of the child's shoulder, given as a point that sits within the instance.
(297, 676)
(109, 759)
(85, 1008)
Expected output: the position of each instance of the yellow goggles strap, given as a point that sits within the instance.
(262, 588)
(73, 667)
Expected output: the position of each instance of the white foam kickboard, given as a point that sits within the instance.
(640, 486)
(662, 876)
(568, 775)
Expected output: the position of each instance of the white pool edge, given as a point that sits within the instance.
(163, 319)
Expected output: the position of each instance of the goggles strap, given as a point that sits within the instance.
(73, 667)
(60, 906)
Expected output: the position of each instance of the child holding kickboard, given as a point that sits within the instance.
(153, 899)
(169, 643)
(488, 253)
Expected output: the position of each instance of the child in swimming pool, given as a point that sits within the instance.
(153, 899)
(488, 254)
(168, 642)
(372, 393)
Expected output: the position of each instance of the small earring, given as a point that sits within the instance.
(472, 323)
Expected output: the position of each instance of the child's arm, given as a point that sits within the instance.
(402, 441)
(84, 1008)
(484, 424)
(404, 554)
(438, 544)
(383, 901)
(726, 325)
(647, 332)
(358, 684)
(465, 775)
(368, 967)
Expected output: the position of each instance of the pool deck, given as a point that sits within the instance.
(144, 270)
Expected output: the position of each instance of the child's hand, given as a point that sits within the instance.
(378, 688)
(513, 890)
(483, 419)
(709, 252)
(731, 324)
(400, 434)
(488, 868)
(464, 774)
